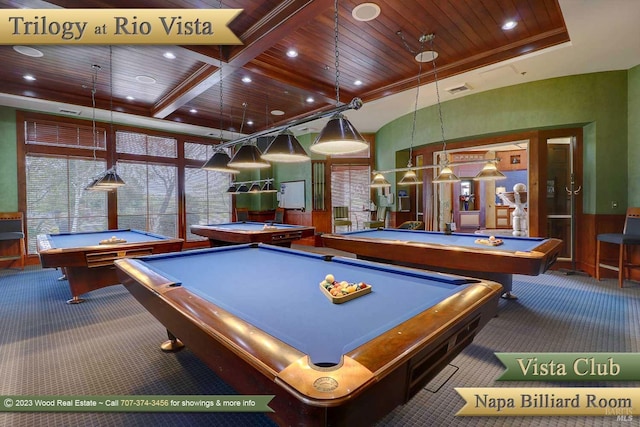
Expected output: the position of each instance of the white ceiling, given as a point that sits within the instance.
(605, 36)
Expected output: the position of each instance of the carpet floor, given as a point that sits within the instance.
(109, 345)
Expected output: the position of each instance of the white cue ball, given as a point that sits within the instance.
(492, 238)
(329, 278)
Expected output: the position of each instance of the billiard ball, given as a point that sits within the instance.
(329, 278)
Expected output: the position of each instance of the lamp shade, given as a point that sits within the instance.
(218, 162)
(379, 181)
(110, 180)
(339, 137)
(243, 188)
(248, 157)
(285, 148)
(410, 178)
(268, 187)
(93, 187)
(489, 173)
(232, 188)
(255, 188)
(446, 175)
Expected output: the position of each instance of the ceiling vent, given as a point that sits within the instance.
(69, 112)
(464, 87)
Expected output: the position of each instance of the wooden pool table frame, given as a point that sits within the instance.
(372, 380)
(88, 268)
(219, 236)
(494, 263)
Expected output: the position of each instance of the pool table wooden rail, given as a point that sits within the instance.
(370, 381)
(422, 255)
(220, 235)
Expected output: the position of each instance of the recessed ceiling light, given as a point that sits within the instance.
(193, 110)
(146, 79)
(358, 83)
(509, 25)
(28, 51)
(250, 122)
(426, 56)
(365, 12)
(130, 98)
(169, 55)
(277, 112)
(29, 77)
(292, 53)
(246, 79)
(310, 99)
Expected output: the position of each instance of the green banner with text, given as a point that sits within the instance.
(180, 403)
(570, 366)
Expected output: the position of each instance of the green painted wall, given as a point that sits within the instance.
(596, 101)
(8, 161)
(634, 136)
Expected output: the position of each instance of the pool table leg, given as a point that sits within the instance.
(75, 300)
(173, 344)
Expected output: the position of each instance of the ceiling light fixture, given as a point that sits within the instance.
(338, 136)
(410, 177)
(110, 180)
(285, 148)
(379, 181)
(248, 157)
(219, 162)
(489, 172)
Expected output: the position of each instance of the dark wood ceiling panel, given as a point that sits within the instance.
(468, 36)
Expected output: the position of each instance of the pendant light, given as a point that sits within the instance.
(489, 172)
(379, 181)
(110, 180)
(446, 175)
(338, 136)
(248, 157)
(220, 159)
(410, 177)
(268, 187)
(285, 148)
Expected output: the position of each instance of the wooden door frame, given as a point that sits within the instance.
(537, 170)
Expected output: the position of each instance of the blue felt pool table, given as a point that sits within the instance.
(252, 232)
(457, 253)
(256, 314)
(88, 264)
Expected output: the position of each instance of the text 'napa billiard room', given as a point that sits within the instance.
(328, 213)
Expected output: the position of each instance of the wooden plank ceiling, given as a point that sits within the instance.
(379, 53)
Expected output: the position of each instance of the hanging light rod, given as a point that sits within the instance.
(355, 104)
(417, 168)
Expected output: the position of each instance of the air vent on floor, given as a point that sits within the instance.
(458, 89)
(69, 112)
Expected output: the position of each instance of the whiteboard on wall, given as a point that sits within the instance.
(291, 195)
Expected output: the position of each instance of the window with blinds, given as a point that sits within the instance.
(350, 187)
(147, 145)
(57, 201)
(65, 135)
(149, 201)
(206, 197)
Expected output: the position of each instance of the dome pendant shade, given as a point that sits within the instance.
(446, 175)
(248, 157)
(489, 173)
(218, 162)
(243, 188)
(379, 181)
(285, 148)
(339, 137)
(255, 188)
(410, 178)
